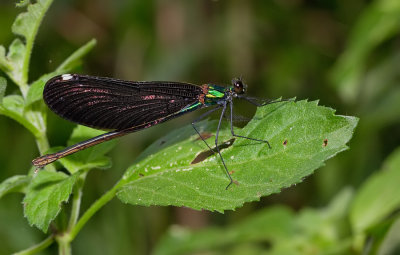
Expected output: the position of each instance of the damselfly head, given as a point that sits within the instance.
(238, 86)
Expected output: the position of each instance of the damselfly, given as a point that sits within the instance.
(129, 106)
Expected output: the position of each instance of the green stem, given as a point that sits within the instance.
(64, 239)
(38, 247)
(36, 118)
(64, 245)
(95, 207)
(42, 143)
(24, 88)
(76, 202)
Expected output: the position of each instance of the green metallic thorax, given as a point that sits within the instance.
(212, 96)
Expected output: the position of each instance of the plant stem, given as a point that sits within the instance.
(38, 247)
(24, 88)
(64, 245)
(95, 207)
(43, 145)
(76, 202)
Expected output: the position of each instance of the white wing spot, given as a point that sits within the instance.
(66, 77)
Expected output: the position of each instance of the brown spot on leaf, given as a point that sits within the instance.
(208, 153)
(285, 142)
(325, 142)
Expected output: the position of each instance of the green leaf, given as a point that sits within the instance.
(321, 231)
(13, 107)
(378, 197)
(36, 89)
(326, 222)
(3, 86)
(379, 22)
(75, 59)
(27, 24)
(269, 225)
(14, 60)
(310, 230)
(89, 158)
(16, 183)
(302, 135)
(35, 92)
(4, 65)
(45, 195)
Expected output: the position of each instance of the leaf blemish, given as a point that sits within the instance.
(285, 142)
(202, 156)
(325, 143)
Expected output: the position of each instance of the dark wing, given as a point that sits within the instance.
(107, 103)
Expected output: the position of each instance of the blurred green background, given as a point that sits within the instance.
(344, 53)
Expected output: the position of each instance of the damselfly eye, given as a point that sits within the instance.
(239, 87)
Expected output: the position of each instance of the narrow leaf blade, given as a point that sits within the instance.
(268, 225)
(285, 232)
(36, 89)
(378, 22)
(378, 197)
(3, 86)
